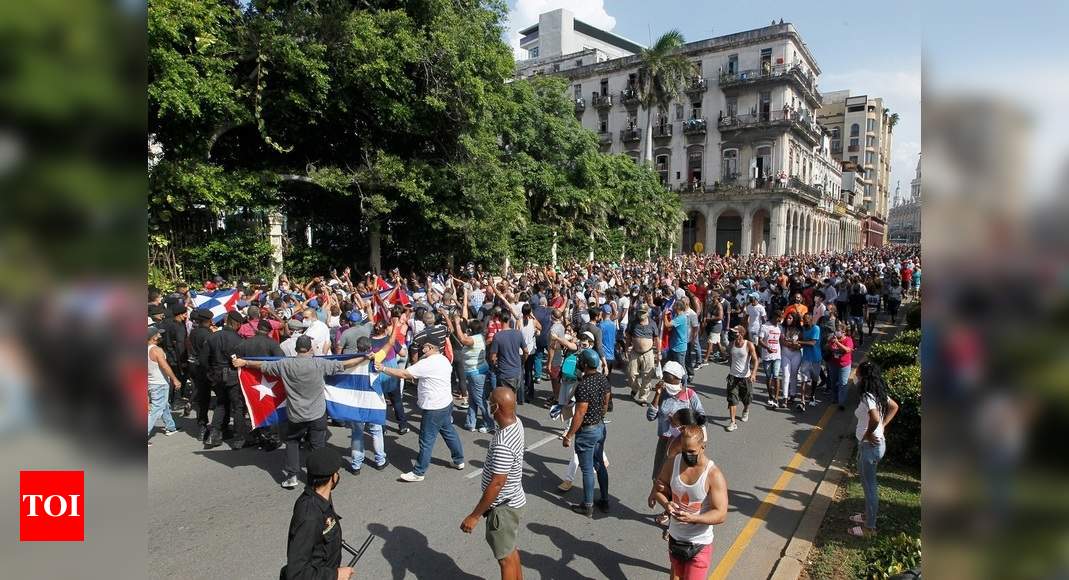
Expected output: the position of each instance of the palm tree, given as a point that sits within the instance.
(892, 120)
(661, 77)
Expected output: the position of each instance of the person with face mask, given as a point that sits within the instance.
(644, 354)
(313, 549)
(699, 500)
(670, 396)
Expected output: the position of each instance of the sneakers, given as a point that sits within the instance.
(378, 466)
(800, 407)
(460, 404)
(459, 466)
(150, 442)
(171, 432)
(483, 430)
(733, 426)
(564, 485)
(603, 505)
(411, 477)
(355, 470)
(290, 483)
(772, 404)
(402, 430)
(583, 509)
(745, 416)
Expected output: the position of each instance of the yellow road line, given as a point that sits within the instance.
(739, 546)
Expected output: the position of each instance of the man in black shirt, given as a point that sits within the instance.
(174, 345)
(202, 391)
(313, 550)
(588, 430)
(261, 344)
(215, 358)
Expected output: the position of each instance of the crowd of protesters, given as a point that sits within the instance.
(552, 336)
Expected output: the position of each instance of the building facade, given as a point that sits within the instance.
(904, 219)
(861, 132)
(742, 145)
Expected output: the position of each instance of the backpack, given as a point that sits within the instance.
(569, 366)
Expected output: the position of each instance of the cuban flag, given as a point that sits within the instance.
(218, 302)
(385, 296)
(354, 395)
(666, 323)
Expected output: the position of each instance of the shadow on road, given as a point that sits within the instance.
(609, 563)
(408, 551)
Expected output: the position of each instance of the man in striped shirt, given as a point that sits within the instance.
(503, 499)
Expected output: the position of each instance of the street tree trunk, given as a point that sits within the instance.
(647, 136)
(375, 241)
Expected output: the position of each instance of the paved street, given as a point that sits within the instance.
(222, 514)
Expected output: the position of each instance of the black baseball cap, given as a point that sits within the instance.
(201, 314)
(235, 316)
(155, 310)
(323, 462)
(264, 326)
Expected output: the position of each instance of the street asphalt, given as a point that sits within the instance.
(221, 513)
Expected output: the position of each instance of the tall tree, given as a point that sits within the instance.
(662, 76)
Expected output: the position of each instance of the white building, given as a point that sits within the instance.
(741, 145)
(904, 220)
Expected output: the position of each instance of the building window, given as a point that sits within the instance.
(578, 88)
(854, 144)
(679, 112)
(694, 165)
(765, 105)
(855, 130)
(835, 133)
(733, 106)
(532, 52)
(579, 62)
(696, 110)
(604, 87)
(870, 141)
(836, 146)
(853, 159)
(556, 68)
(603, 122)
(870, 158)
(661, 164)
(733, 64)
(871, 125)
(729, 164)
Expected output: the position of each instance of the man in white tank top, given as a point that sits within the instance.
(699, 501)
(742, 372)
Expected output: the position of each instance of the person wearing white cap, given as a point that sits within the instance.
(670, 395)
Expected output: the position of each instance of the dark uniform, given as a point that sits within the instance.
(202, 390)
(313, 550)
(216, 359)
(176, 346)
(260, 344)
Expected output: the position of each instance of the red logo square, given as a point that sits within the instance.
(51, 506)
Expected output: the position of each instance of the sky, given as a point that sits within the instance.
(872, 49)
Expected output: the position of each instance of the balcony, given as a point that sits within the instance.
(794, 74)
(629, 97)
(602, 101)
(692, 187)
(853, 148)
(605, 138)
(773, 121)
(814, 192)
(580, 104)
(694, 126)
(662, 130)
(632, 135)
(696, 85)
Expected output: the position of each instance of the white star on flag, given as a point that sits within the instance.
(265, 388)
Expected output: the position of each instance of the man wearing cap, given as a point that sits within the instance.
(670, 397)
(202, 390)
(313, 548)
(296, 330)
(644, 355)
(158, 374)
(306, 402)
(434, 395)
(215, 358)
(156, 313)
(175, 346)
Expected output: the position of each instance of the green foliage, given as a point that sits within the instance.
(242, 255)
(302, 262)
(904, 433)
(913, 316)
(910, 337)
(891, 354)
(890, 556)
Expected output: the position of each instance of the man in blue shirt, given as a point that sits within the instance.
(679, 334)
(507, 353)
(811, 358)
(608, 337)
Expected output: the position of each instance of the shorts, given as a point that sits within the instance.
(502, 525)
(771, 368)
(810, 371)
(554, 372)
(697, 568)
(715, 331)
(739, 389)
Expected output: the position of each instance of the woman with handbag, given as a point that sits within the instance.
(699, 501)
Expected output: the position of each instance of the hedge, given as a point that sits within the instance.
(892, 354)
(910, 337)
(913, 316)
(889, 557)
(904, 434)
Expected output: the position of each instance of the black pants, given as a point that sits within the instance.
(202, 395)
(180, 373)
(528, 377)
(459, 377)
(229, 403)
(316, 432)
(398, 407)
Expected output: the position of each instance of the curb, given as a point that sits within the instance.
(792, 560)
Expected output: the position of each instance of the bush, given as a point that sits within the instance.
(246, 255)
(892, 354)
(910, 337)
(889, 557)
(913, 317)
(904, 434)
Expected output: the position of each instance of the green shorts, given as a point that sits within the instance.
(502, 525)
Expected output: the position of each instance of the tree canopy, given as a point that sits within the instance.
(378, 116)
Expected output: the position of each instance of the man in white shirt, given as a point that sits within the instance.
(434, 395)
(318, 331)
(756, 316)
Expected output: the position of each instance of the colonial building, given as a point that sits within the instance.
(860, 129)
(904, 220)
(742, 146)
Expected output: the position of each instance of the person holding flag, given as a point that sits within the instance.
(306, 405)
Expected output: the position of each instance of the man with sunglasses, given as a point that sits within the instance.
(434, 395)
